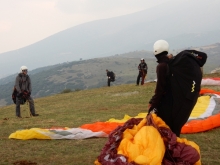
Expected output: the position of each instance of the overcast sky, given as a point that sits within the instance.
(23, 22)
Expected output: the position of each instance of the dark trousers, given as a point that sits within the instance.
(175, 111)
(109, 81)
(182, 115)
(138, 78)
(31, 106)
(141, 74)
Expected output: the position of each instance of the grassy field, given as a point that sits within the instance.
(77, 108)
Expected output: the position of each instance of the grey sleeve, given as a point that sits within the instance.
(17, 84)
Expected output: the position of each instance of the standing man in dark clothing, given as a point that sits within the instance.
(142, 67)
(23, 88)
(162, 96)
(170, 101)
(110, 77)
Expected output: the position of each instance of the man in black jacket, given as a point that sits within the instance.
(142, 67)
(110, 77)
(178, 85)
(161, 101)
(23, 88)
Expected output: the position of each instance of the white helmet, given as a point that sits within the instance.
(23, 68)
(142, 59)
(160, 46)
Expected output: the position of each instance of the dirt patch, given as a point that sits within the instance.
(103, 109)
(126, 93)
(24, 162)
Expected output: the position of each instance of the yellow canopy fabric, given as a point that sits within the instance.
(201, 106)
(127, 117)
(142, 144)
(33, 133)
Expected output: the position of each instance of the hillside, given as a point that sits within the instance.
(87, 74)
(78, 75)
(177, 22)
(83, 107)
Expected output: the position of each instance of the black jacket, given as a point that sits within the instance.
(142, 67)
(162, 80)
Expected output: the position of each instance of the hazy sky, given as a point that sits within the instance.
(23, 22)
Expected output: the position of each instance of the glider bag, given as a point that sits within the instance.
(185, 80)
(185, 74)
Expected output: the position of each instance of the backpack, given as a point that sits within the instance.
(185, 74)
(14, 95)
(112, 76)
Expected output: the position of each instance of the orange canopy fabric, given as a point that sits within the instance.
(106, 127)
(206, 91)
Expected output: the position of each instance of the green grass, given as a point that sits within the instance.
(75, 109)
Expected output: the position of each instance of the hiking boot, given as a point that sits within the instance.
(35, 115)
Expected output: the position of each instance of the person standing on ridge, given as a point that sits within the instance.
(142, 67)
(110, 77)
(23, 88)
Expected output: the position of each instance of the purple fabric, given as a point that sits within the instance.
(109, 154)
(176, 153)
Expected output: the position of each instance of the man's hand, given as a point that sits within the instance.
(152, 110)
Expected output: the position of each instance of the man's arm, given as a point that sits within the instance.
(17, 86)
(160, 87)
(139, 67)
(29, 85)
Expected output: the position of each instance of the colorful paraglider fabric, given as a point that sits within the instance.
(210, 81)
(72, 133)
(160, 146)
(205, 116)
(208, 91)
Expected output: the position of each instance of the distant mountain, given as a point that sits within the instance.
(85, 74)
(182, 24)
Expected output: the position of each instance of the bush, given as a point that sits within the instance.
(77, 89)
(66, 91)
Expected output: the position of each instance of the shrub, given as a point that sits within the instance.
(77, 89)
(66, 91)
